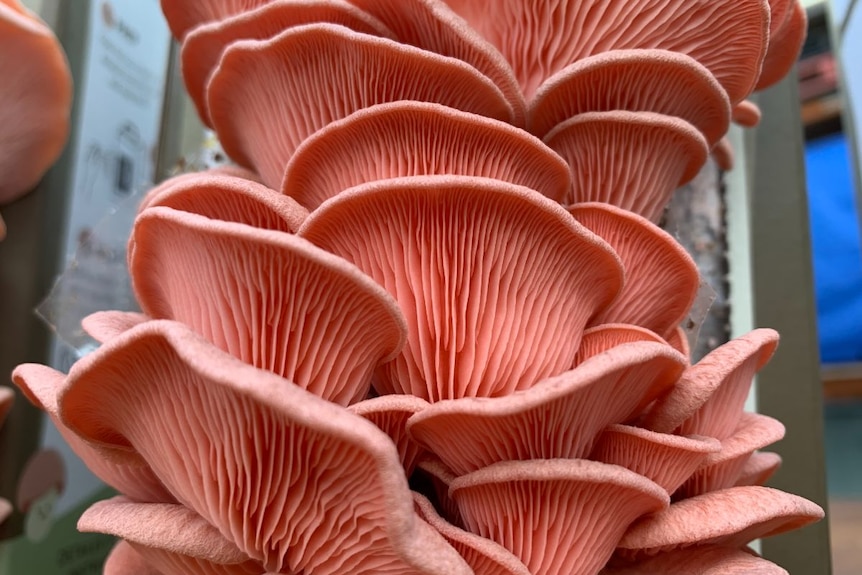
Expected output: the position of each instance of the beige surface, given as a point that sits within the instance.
(845, 521)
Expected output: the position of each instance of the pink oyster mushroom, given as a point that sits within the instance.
(250, 460)
(7, 397)
(35, 101)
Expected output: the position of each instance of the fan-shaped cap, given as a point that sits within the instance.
(106, 325)
(731, 518)
(723, 469)
(166, 539)
(556, 516)
(601, 338)
(560, 417)
(632, 160)
(537, 40)
(266, 97)
(203, 46)
(220, 196)
(124, 560)
(390, 413)
(482, 555)
(759, 468)
(259, 460)
(784, 46)
(710, 395)
(35, 102)
(667, 459)
(440, 477)
(678, 339)
(660, 81)
(747, 114)
(417, 138)
(496, 281)
(662, 280)
(269, 298)
(183, 15)
(131, 476)
(700, 560)
(432, 25)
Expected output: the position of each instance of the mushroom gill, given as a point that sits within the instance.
(269, 298)
(267, 96)
(496, 281)
(414, 139)
(390, 413)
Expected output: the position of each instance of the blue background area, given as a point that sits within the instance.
(836, 249)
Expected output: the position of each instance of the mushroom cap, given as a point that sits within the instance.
(700, 560)
(678, 339)
(431, 25)
(441, 477)
(669, 460)
(390, 413)
(229, 198)
(104, 326)
(747, 114)
(601, 338)
(785, 46)
(759, 468)
(129, 475)
(537, 40)
(496, 281)
(632, 160)
(165, 538)
(272, 299)
(560, 417)
(710, 395)
(662, 280)
(723, 154)
(731, 518)
(723, 469)
(414, 139)
(254, 457)
(35, 102)
(659, 81)
(267, 96)
(183, 15)
(556, 516)
(123, 560)
(482, 555)
(203, 46)
(45, 470)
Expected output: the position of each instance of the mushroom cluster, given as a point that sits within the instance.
(35, 101)
(428, 324)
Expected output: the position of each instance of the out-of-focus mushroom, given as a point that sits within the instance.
(659, 81)
(710, 395)
(265, 463)
(482, 555)
(267, 96)
(662, 280)
(556, 516)
(632, 160)
(723, 154)
(35, 102)
(723, 469)
(414, 139)
(272, 299)
(203, 46)
(669, 460)
(747, 114)
(731, 518)
(784, 46)
(538, 41)
(560, 417)
(390, 413)
(124, 560)
(496, 281)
